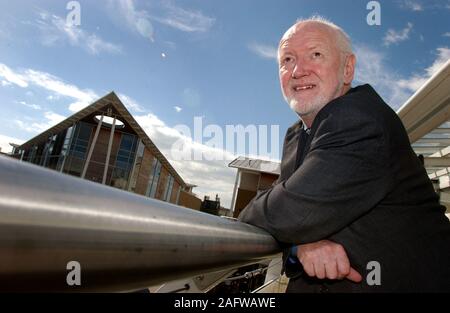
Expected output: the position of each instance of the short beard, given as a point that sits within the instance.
(317, 103)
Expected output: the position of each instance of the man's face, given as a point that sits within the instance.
(310, 68)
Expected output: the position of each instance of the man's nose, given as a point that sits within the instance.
(299, 70)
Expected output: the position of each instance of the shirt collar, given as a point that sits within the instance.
(306, 129)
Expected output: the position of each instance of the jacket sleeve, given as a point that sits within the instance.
(342, 177)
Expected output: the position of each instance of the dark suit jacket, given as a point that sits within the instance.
(360, 184)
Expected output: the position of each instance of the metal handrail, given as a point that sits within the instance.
(122, 241)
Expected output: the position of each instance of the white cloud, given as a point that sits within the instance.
(95, 45)
(57, 85)
(54, 29)
(32, 106)
(33, 126)
(447, 34)
(5, 143)
(130, 103)
(177, 108)
(412, 5)
(6, 83)
(415, 82)
(51, 83)
(136, 20)
(393, 36)
(185, 20)
(11, 77)
(264, 51)
(371, 68)
(394, 88)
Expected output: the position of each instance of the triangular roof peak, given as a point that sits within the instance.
(110, 99)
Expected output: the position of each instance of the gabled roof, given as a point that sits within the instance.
(113, 100)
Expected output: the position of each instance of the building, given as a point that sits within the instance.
(211, 206)
(104, 143)
(252, 175)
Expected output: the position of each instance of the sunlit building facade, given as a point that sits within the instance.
(105, 144)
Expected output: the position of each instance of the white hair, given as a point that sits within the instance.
(342, 39)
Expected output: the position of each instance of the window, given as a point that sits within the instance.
(168, 190)
(154, 178)
(124, 161)
(81, 140)
(137, 165)
(78, 148)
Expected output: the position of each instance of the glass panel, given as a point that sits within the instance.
(137, 165)
(168, 190)
(154, 178)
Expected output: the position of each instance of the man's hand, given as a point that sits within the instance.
(326, 259)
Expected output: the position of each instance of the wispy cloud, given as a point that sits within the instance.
(371, 68)
(37, 126)
(49, 82)
(264, 51)
(11, 77)
(130, 103)
(412, 5)
(140, 21)
(177, 108)
(447, 34)
(393, 36)
(54, 29)
(59, 88)
(185, 20)
(394, 88)
(415, 82)
(136, 20)
(30, 105)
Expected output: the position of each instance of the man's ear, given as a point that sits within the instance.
(349, 69)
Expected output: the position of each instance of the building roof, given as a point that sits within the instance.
(426, 116)
(256, 165)
(113, 100)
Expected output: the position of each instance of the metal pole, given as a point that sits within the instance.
(121, 240)
(233, 198)
(108, 155)
(91, 148)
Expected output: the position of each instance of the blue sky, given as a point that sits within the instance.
(170, 61)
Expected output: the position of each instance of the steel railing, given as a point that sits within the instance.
(121, 241)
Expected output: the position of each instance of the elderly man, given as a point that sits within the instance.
(353, 201)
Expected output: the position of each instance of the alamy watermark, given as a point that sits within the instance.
(73, 18)
(73, 278)
(374, 16)
(373, 278)
(213, 142)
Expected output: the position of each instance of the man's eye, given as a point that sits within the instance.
(317, 55)
(287, 60)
